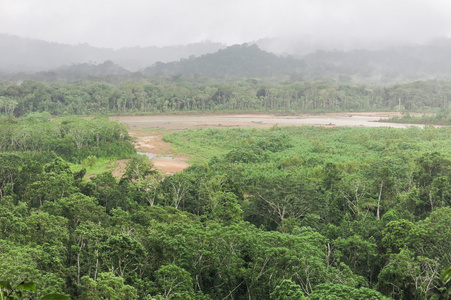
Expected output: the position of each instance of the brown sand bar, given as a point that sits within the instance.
(181, 122)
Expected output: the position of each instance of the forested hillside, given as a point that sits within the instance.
(387, 65)
(384, 66)
(235, 61)
(285, 213)
(30, 55)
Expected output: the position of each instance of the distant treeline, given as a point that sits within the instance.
(441, 118)
(183, 95)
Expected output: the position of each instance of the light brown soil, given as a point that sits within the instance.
(170, 166)
(120, 169)
(165, 159)
(150, 143)
(183, 122)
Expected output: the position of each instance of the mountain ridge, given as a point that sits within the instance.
(396, 64)
(30, 55)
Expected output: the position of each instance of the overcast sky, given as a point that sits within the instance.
(127, 23)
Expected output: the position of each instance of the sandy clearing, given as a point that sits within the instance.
(183, 122)
(170, 166)
(151, 144)
(159, 151)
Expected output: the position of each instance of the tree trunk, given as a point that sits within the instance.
(379, 201)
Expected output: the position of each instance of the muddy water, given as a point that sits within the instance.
(153, 156)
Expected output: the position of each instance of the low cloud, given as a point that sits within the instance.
(335, 24)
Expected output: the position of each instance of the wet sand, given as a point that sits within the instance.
(183, 122)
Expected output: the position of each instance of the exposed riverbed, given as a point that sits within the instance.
(181, 122)
(168, 162)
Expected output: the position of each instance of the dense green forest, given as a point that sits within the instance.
(285, 213)
(181, 94)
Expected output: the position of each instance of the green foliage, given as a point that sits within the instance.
(107, 286)
(323, 213)
(74, 139)
(174, 283)
(58, 166)
(24, 289)
(89, 161)
(194, 93)
(446, 275)
(359, 254)
(396, 233)
(288, 290)
(335, 291)
(406, 276)
(243, 155)
(138, 167)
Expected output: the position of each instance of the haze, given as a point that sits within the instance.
(331, 24)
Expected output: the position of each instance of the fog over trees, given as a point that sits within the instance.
(387, 65)
(31, 55)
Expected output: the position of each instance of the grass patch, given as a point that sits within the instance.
(200, 144)
(101, 165)
(312, 145)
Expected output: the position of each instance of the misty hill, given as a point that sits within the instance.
(408, 62)
(29, 55)
(86, 70)
(396, 64)
(235, 61)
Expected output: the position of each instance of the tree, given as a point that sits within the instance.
(386, 173)
(287, 290)
(174, 282)
(177, 187)
(227, 208)
(21, 265)
(8, 104)
(359, 254)
(10, 291)
(433, 179)
(430, 237)
(334, 291)
(9, 170)
(13, 220)
(148, 189)
(275, 199)
(138, 168)
(395, 235)
(107, 286)
(88, 239)
(406, 276)
(77, 208)
(122, 254)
